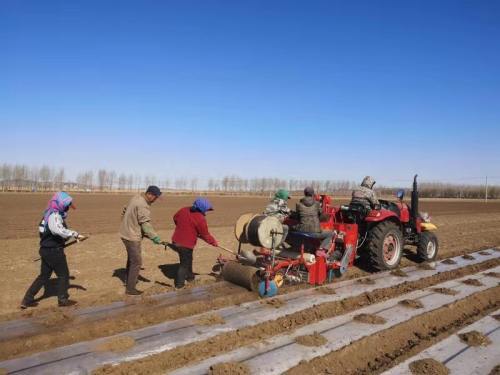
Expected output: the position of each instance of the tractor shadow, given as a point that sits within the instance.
(50, 288)
(364, 263)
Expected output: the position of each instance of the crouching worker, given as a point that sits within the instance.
(190, 223)
(309, 212)
(53, 235)
(136, 224)
(278, 208)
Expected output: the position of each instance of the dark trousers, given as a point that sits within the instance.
(134, 262)
(185, 271)
(325, 236)
(52, 260)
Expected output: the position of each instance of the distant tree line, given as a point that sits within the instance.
(24, 178)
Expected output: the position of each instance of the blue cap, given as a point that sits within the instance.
(203, 205)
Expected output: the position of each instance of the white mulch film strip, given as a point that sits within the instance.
(29, 326)
(280, 353)
(81, 357)
(459, 357)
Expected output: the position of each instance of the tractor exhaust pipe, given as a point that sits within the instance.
(414, 202)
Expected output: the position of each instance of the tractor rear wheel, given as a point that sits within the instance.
(427, 247)
(385, 245)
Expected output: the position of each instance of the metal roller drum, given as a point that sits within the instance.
(239, 274)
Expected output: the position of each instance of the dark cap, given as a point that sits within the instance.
(155, 190)
(309, 191)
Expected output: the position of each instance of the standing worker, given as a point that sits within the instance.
(136, 224)
(53, 235)
(190, 223)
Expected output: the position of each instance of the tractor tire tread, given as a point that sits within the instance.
(375, 244)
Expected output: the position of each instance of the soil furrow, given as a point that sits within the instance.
(200, 350)
(377, 353)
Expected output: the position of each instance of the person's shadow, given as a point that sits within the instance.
(121, 273)
(169, 270)
(50, 288)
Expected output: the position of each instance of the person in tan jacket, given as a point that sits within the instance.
(136, 224)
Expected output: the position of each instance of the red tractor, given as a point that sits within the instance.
(379, 232)
(384, 230)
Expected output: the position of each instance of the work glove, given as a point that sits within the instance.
(157, 240)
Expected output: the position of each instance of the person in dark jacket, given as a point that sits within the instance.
(190, 224)
(308, 211)
(53, 235)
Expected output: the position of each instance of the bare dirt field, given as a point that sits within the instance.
(97, 269)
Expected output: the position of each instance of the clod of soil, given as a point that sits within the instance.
(366, 281)
(210, 320)
(468, 257)
(118, 344)
(229, 368)
(497, 316)
(493, 274)
(447, 291)
(411, 303)
(274, 302)
(369, 318)
(311, 340)
(448, 261)
(325, 290)
(484, 253)
(399, 273)
(474, 338)
(495, 370)
(425, 266)
(473, 282)
(428, 366)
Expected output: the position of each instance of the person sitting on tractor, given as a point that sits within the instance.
(308, 212)
(278, 208)
(365, 195)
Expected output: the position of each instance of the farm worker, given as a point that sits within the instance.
(136, 224)
(53, 235)
(308, 212)
(278, 208)
(190, 223)
(364, 194)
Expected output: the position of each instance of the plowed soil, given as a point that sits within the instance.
(183, 355)
(97, 274)
(379, 352)
(97, 265)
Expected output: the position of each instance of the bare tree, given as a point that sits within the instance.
(102, 179)
(122, 181)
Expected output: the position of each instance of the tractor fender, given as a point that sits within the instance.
(375, 216)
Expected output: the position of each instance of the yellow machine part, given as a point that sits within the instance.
(428, 226)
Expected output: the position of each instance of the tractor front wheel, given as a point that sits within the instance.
(427, 247)
(385, 245)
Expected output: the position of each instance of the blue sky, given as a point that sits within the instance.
(293, 89)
